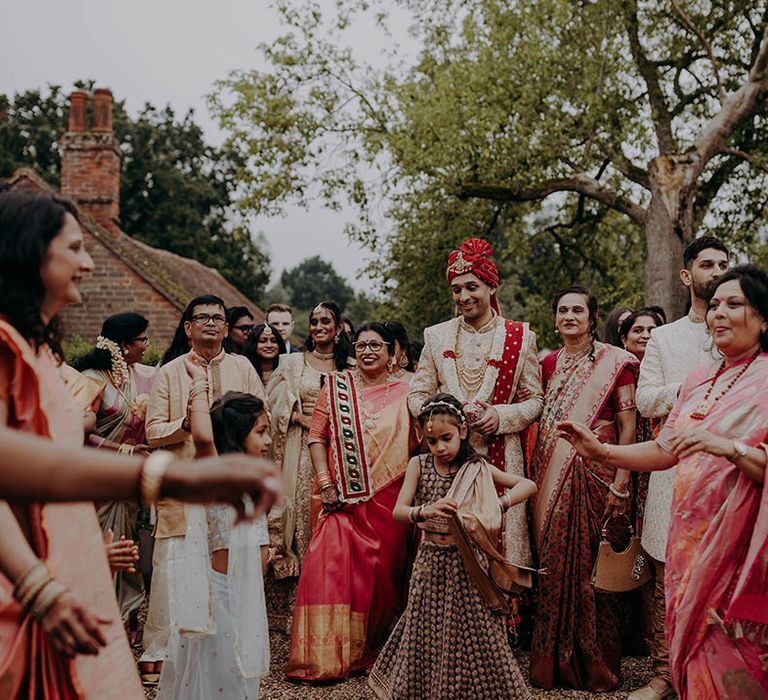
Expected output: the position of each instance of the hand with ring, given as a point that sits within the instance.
(698, 439)
(329, 496)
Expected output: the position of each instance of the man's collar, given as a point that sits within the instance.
(215, 360)
(484, 328)
(694, 316)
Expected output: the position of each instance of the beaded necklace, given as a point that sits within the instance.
(704, 408)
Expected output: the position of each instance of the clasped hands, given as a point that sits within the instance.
(488, 423)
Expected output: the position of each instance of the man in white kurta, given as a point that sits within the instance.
(673, 351)
(468, 356)
(167, 427)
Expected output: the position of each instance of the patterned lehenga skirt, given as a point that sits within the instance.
(447, 645)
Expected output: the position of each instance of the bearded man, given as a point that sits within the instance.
(491, 365)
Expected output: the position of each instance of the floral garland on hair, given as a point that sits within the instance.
(119, 365)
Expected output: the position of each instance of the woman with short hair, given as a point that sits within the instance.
(576, 628)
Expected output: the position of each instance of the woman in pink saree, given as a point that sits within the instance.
(717, 572)
(355, 573)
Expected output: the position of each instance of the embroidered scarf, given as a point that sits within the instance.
(513, 343)
(353, 474)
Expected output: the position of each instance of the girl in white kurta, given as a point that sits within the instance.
(219, 641)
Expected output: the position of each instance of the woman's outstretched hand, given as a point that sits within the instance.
(583, 440)
(225, 479)
(121, 555)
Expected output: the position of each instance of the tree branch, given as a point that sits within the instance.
(659, 109)
(737, 108)
(689, 24)
(579, 182)
(749, 157)
(624, 165)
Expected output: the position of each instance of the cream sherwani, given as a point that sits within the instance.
(166, 411)
(438, 373)
(673, 351)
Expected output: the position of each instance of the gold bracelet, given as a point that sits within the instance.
(152, 473)
(37, 570)
(46, 598)
(34, 589)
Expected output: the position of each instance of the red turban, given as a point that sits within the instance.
(473, 256)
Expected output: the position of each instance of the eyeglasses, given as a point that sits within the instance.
(245, 330)
(374, 345)
(204, 319)
(143, 339)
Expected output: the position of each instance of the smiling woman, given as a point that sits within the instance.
(42, 261)
(354, 574)
(716, 579)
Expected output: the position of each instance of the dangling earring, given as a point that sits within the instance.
(336, 339)
(403, 361)
(557, 331)
(390, 364)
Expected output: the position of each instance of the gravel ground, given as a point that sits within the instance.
(635, 672)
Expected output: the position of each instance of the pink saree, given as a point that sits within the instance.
(717, 554)
(68, 538)
(355, 572)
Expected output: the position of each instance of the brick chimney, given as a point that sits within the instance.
(90, 162)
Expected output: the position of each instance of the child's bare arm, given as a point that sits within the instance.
(407, 491)
(520, 488)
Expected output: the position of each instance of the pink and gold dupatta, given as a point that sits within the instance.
(717, 554)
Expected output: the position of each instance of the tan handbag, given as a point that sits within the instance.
(616, 572)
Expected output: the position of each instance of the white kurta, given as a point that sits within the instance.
(438, 373)
(673, 351)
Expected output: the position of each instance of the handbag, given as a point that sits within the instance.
(616, 572)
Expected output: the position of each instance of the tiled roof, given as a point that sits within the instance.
(176, 278)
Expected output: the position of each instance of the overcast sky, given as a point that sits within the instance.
(166, 51)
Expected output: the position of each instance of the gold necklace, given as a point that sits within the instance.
(569, 359)
(470, 378)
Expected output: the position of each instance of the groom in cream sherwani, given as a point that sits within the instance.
(481, 358)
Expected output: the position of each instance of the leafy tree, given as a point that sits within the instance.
(314, 280)
(176, 191)
(588, 140)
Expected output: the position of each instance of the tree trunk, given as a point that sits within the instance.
(668, 229)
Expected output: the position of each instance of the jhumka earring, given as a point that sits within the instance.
(403, 361)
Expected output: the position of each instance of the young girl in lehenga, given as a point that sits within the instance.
(451, 641)
(220, 641)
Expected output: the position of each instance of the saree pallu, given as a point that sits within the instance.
(576, 631)
(355, 573)
(67, 537)
(717, 570)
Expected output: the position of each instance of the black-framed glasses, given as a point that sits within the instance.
(204, 319)
(374, 345)
(246, 329)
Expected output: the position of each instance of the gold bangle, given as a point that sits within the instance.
(37, 570)
(34, 589)
(46, 598)
(152, 473)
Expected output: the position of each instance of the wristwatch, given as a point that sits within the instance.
(739, 450)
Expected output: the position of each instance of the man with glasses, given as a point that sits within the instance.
(490, 364)
(240, 322)
(167, 427)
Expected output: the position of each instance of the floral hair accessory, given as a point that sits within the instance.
(119, 365)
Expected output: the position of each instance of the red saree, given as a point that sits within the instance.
(68, 538)
(716, 575)
(576, 632)
(354, 577)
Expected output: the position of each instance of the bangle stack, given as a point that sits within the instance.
(152, 473)
(504, 503)
(617, 493)
(322, 481)
(36, 590)
(415, 514)
(198, 391)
